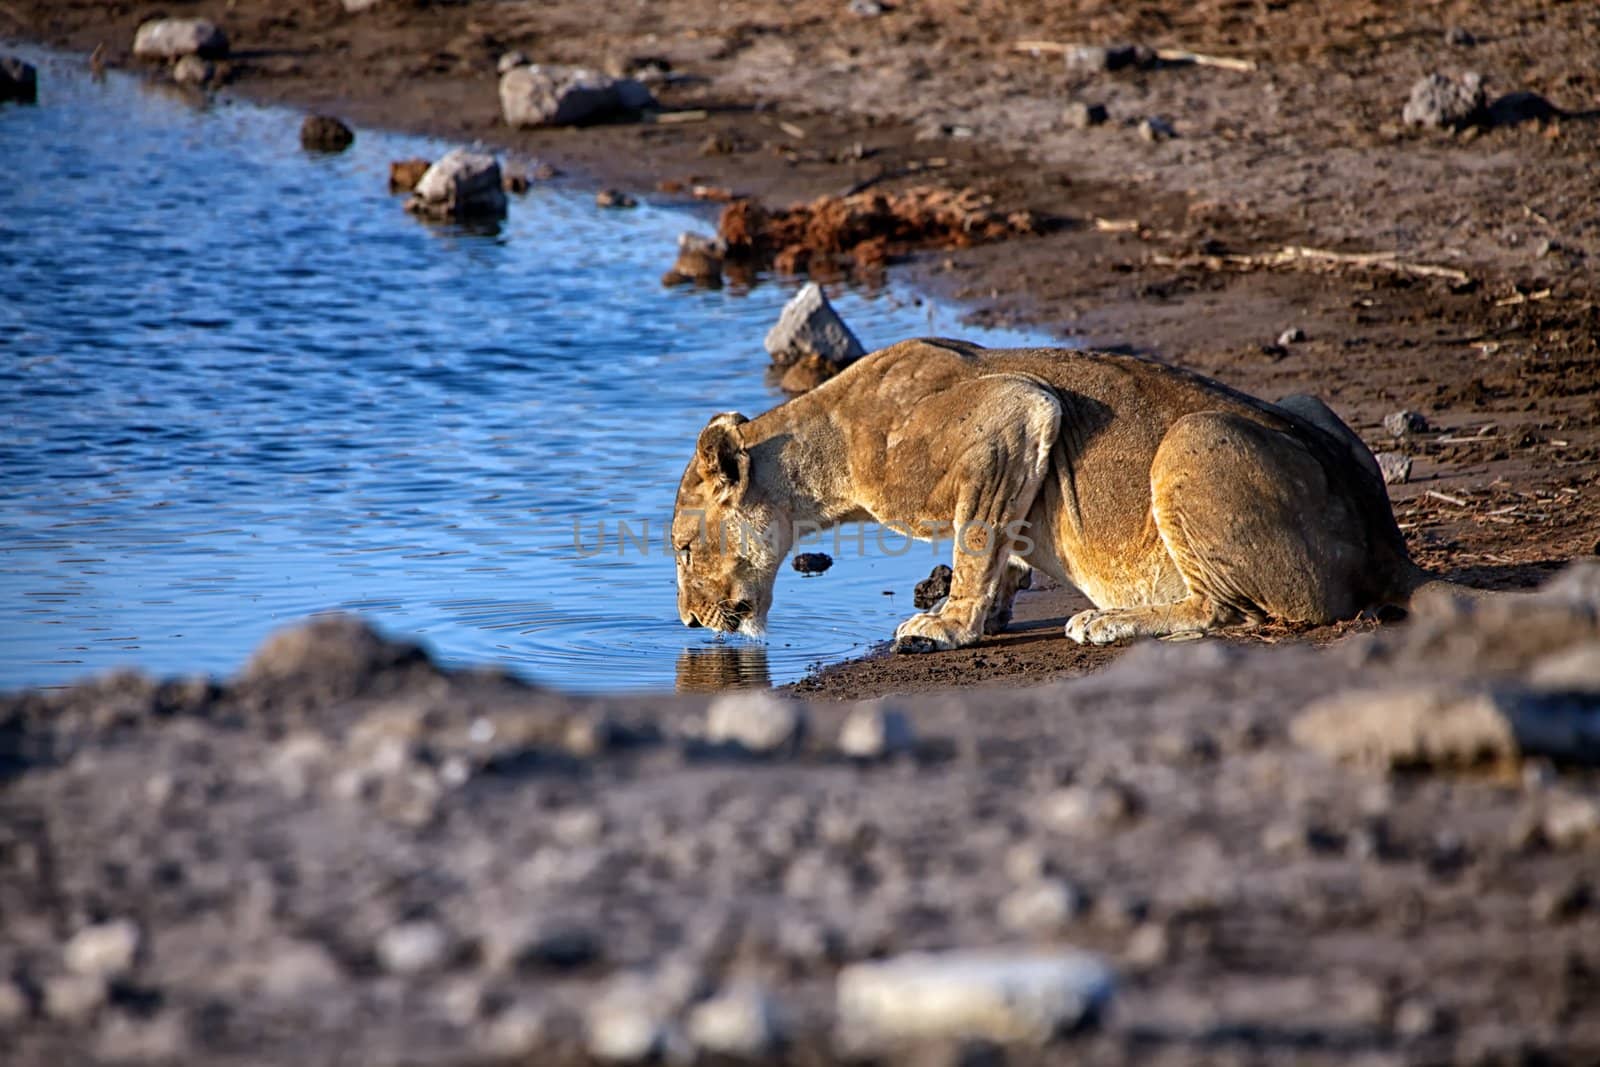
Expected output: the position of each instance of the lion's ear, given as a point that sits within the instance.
(720, 451)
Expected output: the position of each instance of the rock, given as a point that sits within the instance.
(1395, 466)
(614, 198)
(104, 951)
(511, 61)
(1570, 821)
(13, 1004)
(699, 262)
(934, 588)
(515, 182)
(1401, 423)
(192, 70)
(1459, 37)
(1080, 116)
(810, 326)
(1443, 725)
(867, 9)
(74, 998)
(758, 722)
(413, 948)
(355, 7)
(973, 994)
(1443, 102)
(625, 1025)
(1292, 336)
(741, 1022)
(872, 732)
(812, 562)
(1154, 128)
(173, 38)
(1149, 946)
(1042, 908)
(535, 95)
(1090, 57)
(404, 174)
(1090, 808)
(324, 133)
(560, 946)
(1563, 901)
(462, 185)
(19, 81)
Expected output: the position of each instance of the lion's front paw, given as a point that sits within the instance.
(928, 632)
(1097, 627)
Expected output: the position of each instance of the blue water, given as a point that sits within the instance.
(239, 386)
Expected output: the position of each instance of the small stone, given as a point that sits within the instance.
(515, 182)
(1026, 863)
(1442, 102)
(741, 1022)
(324, 133)
(867, 9)
(74, 998)
(1153, 128)
(560, 946)
(615, 198)
(812, 562)
(873, 732)
(13, 1003)
(1292, 336)
(624, 1026)
(547, 95)
(1396, 467)
(1080, 116)
(1042, 908)
(699, 262)
(192, 70)
(1090, 809)
(1415, 1019)
(511, 61)
(413, 948)
(1459, 37)
(760, 722)
(965, 994)
(579, 826)
(173, 38)
(934, 588)
(462, 185)
(1096, 58)
(1149, 946)
(517, 1032)
(1570, 821)
(1559, 903)
(1187, 746)
(1401, 423)
(19, 81)
(105, 951)
(810, 326)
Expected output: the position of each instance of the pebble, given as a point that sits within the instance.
(1089, 809)
(1042, 908)
(559, 946)
(995, 995)
(761, 723)
(623, 1026)
(1459, 37)
(324, 133)
(1563, 901)
(1149, 946)
(872, 732)
(579, 826)
(1570, 821)
(1396, 467)
(103, 951)
(74, 998)
(192, 70)
(1292, 336)
(1443, 102)
(1081, 116)
(413, 948)
(741, 1022)
(172, 38)
(511, 61)
(1094, 57)
(13, 1003)
(1026, 863)
(1401, 423)
(614, 198)
(1415, 1019)
(1153, 128)
(867, 9)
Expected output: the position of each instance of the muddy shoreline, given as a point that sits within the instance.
(1145, 245)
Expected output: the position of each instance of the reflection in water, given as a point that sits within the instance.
(713, 668)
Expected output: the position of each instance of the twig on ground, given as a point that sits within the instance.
(1116, 225)
(676, 118)
(1165, 55)
(1297, 255)
(1522, 298)
(1447, 498)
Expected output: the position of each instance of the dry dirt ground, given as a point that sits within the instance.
(345, 854)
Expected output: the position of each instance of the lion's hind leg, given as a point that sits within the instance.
(1247, 515)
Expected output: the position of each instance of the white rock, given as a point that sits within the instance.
(103, 951)
(549, 95)
(993, 995)
(511, 61)
(357, 6)
(172, 38)
(625, 1025)
(872, 731)
(74, 998)
(810, 326)
(1396, 467)
(1041, 908)
(463, 184)
(192, 70)
(757, 721)
(740, 1022)
(413, 948)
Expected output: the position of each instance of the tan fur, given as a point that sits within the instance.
(1173, 502)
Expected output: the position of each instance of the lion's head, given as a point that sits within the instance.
(730, 536)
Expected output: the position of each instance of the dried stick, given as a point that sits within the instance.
(1165, 55)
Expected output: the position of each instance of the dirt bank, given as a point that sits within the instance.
(346, 851)
(1170, 245)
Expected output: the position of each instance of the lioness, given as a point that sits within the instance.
(1173, 502)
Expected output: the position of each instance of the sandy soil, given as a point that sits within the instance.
(806, 99)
